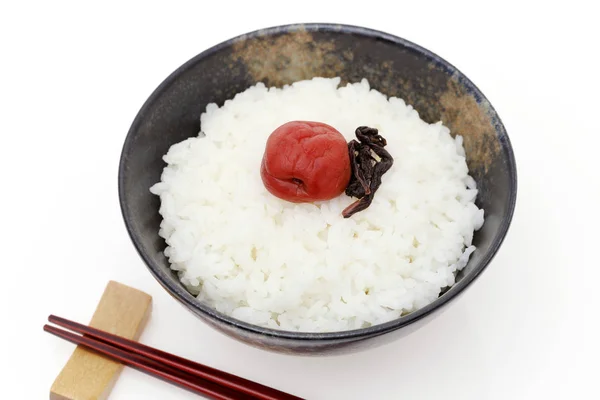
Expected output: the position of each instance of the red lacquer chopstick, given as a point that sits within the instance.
(207, 388)
(188, 374)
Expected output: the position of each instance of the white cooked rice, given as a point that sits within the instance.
(302, 267)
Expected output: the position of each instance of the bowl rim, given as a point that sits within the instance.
(187, 299)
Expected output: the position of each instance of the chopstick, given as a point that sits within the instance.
(206, 388)
(190, 375)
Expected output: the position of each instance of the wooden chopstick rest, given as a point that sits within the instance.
(122, 311)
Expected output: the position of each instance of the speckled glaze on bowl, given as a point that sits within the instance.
(282, 55)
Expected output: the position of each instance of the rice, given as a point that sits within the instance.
(302, 267)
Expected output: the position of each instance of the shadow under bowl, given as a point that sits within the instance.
(282, 55)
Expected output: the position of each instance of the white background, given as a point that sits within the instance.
(73, 77)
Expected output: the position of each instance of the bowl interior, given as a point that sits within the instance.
(282, 55)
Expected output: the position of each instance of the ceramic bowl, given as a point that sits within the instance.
(282, 55)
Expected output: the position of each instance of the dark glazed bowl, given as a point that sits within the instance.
(282, 55)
